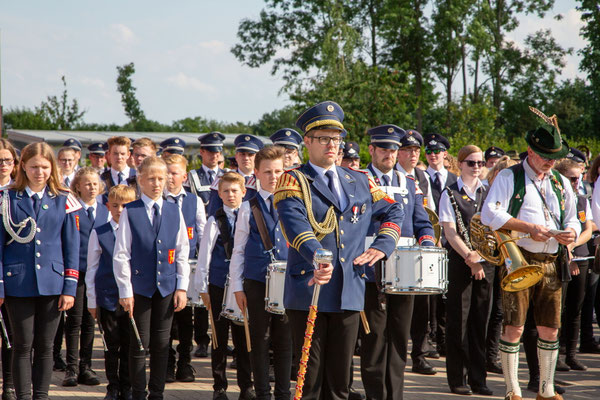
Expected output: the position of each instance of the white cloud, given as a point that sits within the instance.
(93, 82)
(183, 81)
(122, 34)
(215, 46)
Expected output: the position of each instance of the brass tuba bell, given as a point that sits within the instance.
(499, 248)
(435, 223)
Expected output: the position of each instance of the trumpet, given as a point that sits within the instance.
(499, 248)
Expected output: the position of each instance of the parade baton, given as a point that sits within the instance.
(321, 256)
(365, 322)
(247, 330)
(4, 332)
(136, 332)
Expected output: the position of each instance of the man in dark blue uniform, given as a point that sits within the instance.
(172, 145)
(200, 180)
(384, 351)
(321, 205)
(290, 140)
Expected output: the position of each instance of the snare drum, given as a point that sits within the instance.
(193, 296)
(230, 309)
(275, 282)
(416, 270)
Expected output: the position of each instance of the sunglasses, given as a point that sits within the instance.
(472, 163)
(436, 151)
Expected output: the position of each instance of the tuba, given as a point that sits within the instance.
(498, 248)
(435, 223)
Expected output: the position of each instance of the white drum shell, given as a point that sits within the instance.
(193, 296)
(416, 270)
(274, 287)
(230, 309)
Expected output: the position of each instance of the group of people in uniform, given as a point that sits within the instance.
(149, 251)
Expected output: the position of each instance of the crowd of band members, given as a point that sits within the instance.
(129, 230)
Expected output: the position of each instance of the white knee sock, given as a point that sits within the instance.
(547, 354)
(509, 357)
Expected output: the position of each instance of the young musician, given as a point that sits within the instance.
(76, 146)
(39, 266)
(117, 156)
(192, 208)
(216, 247)
(248, 270)
(103, 296)
(8, 160)
(152, 273)
(67, 162)
(470, 280)
(79, 325)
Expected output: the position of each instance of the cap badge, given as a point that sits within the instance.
(215, 135)
(433, 142)
(351, 151)
(288, 133)
(390, 130)
(176, 140)
(247, 138)
(330, 108)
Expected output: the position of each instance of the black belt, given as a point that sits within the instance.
(541, 257)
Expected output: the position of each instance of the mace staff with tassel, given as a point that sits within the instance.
(321, 257)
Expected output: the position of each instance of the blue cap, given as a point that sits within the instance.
(325, 115)
(97, 148)
(73, 144)
(212, 142)
(435, 141)
(576, 155)
(248, 143)
(287, 137)
(412, 138)
(493, 152)
(351, 150)
(386, 136)
(173, 145)
(159, 151)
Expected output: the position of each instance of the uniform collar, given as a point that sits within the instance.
(531, 174)
(206, 169)
(149, 203)
(379, 174)
(30, 192)
(70, 176)
(181, 192)
(443, 172)
(10, 182)
(264, 194)
(461, 184)
(86, 206)
(114, 224)
(126, 172)
(230, 211)
(405, 172)
(321, 171)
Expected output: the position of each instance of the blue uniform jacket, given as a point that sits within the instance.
(49, 264)
(215, 201)
(416, 221)
(85, 228)
(107, 291)
(204, 191)
(346, 289)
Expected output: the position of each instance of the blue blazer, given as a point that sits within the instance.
(346, 289)
(49, 264)
(85, 228)
(107, 292)
(215, 201)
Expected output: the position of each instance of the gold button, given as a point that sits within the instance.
(302, 272)
(342, 245)
(342, 259)
(8, 273)
(341, 232)
(341, 217)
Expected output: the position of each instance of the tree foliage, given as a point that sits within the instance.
(131, 104)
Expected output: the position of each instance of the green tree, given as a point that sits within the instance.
(590, 63)
(26, 118)
(129, 100)
(277, 119)
(61, 114)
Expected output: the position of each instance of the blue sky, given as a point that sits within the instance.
(180, 49)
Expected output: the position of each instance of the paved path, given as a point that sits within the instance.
(583, 385)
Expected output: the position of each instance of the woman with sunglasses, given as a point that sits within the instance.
(470, 280)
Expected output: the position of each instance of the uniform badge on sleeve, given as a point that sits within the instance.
(77, 221)
(171, 256)
(190, 232)
(582, 216)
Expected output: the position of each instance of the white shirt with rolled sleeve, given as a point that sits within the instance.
(495, 209)
(200, 212)
(207, 244)
(122, 256)
(240, 239)
(596, 202)
(93, 261)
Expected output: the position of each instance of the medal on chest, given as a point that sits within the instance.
(354, 218)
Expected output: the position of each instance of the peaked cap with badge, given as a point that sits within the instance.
(325, 115)
(287, 138)
(576, 155)
(97, 148)
(412, 138)
(547, 142)
(248, 143)
(493, 152)
(212, 142)
(435, 141)
(386, 136)
(173, 145)
(351, 150)
(73, 143)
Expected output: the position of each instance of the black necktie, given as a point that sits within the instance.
(156, 218)
(211, 176)
(330, 184)
(386, 180)
(175, 198)
(90, 212)
(437, 183)
(121, 178)
(36, 204)
(67, 181)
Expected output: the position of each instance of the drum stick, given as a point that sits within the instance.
(4, 332)
(137, 333)
(247, 330)
(213, 328)
(365, 322)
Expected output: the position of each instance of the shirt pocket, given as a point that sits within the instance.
(13, 270)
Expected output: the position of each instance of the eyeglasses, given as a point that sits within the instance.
(436, 151)
(325, 140)
(472, 163)
(411, 149)
(7, 161)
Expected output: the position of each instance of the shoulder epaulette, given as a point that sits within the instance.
(251, 184)
(377, 193)
(359, 170)
(287, 186)
(72, 204)
(293, 167)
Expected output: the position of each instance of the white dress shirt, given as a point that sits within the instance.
(200, 212)
(447, 213)
(95, 212)
(30, 192)
(596, 202)
(343, 201)
(240, 239)
(122, 255)
(10, 182)
(429, 197)
(207, 244)
(93, 262)
(443, 175)
(495, 209)
(115, 174)
(71, 176)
